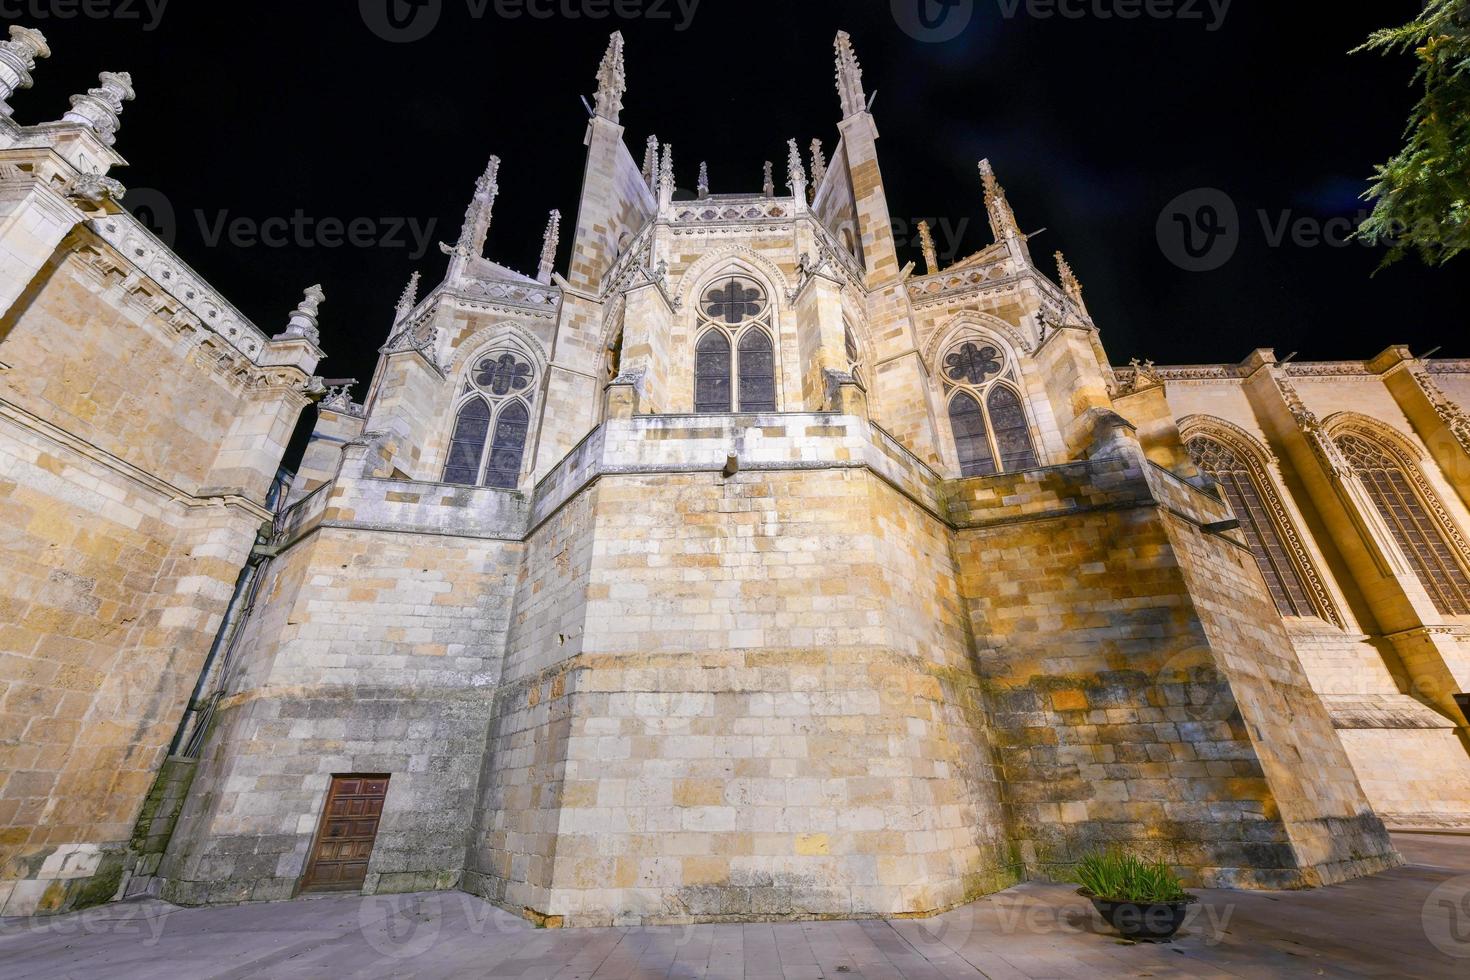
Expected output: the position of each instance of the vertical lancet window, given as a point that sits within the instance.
(971, 437)
(498, 391)
(735, 358)
(986, 416)
(1247, 497)
(1405, 502)
(467, 444)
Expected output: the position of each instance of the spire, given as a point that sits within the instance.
(1002, 219)
(666, 177)
(795, 173)
(768, 185)
(548, 248)
(409, 299)
(849, 78)
(100, 108)
(17, 57)
(650, 164)
(1070, 285)
(477, 216)
(612, 80)
(703, 179)
(926, 242)
(819, 164)
(302, 325)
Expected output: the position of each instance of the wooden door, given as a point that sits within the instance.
(344, 841)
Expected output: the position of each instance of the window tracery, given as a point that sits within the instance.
(488, 443)
(986, 414)
(735, 357)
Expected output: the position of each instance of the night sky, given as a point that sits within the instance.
(1094, 125)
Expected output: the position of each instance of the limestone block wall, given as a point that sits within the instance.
(719, 701)
(1118, 717)
(376, 649)
(119, 561)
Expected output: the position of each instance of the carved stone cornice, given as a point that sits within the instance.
(1312, 429)
(1455, 419)
(185, 286)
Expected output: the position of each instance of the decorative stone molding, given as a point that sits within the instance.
(1329, 369)
(849, 77)
(96, 190)
(1264, 469)
(1311, 427)
(339, 399)
(303, 323)
(136, 244)
(18, 57)
(1452, 415)
(612, 80)
(100, 109)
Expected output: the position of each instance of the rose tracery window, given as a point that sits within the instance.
(488, 444)
(1248, 497)
(986, 415)
(735, 357)
(1405, 502)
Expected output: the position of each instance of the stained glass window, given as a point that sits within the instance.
(970, 437)
(504, 471)
(1422, 541)
(973, 364)
(712, 374)
(757, 373)
(734, 302)
(503, 374)
(1012, 435)
(467, 445)
(1262, 533)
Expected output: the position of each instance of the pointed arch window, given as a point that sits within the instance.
(986, 415)
(757, 372)
(735, 358)
(712, 373)
(467, 445)
(508, 448)
(971, 436)
(854, 353)
(1406, 502)
(492, 427)
(1265, 536)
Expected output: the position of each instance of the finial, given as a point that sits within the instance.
(100, 108)
(926, 242)
(1002, 218)
(612, 80)
(549, 243)
(819, 164)
(650, 164)
(1069, 282)
(703, 179)
(409, 299)
(666, 177)
(849, 77)
(477, 218)
(17, 57)
(302, 325)
(768, 186)
(795, 172)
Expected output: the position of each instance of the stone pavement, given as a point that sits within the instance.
(1410, 922)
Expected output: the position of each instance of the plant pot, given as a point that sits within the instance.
(1144, 922)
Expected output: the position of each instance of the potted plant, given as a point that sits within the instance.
(1142, 900)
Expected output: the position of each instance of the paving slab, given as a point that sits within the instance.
(1413, 921)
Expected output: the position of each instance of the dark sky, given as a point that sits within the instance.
(257, 110)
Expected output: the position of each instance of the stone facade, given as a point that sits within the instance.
(740, 572)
